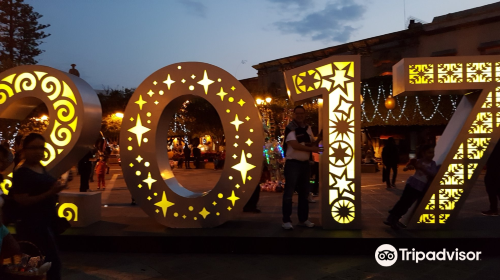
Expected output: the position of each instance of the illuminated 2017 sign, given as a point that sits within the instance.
(74, 110)
(337, 81)
(143, 138)
(469, 137)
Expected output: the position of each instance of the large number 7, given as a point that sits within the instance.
(469, 137)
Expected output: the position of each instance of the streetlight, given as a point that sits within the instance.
(259, 101)
(269, 99)
(44, 118)
(119, 115)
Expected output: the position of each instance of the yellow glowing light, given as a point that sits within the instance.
(129, 148)
(191, 87)
(131, 119)
(183, 81)
(259, 101)
(164, 204)
(241, 102)
(145, 140)
(343, 211)
(235, 156)
(155, 194)
(131, 165)
(235, 145)
(138, 173)
(249, 155)
(214, 203)
(249, 178)
(231, 99)
(139, 158)
(205, 82)
(129, 139)
(161, 92)
(195, 218)
(233, 88)
(236, 122)
(220, 195)
(149, 198)
(218, 214)
(156, 102)
(190, 208)
(229, 208)
(44, 117)
(184, 216)
(228, 111)
(179, 67)
(237, 137)
(66, 210)
(219, 80)
(243, 166)
(230, 177)
(193, 76)
(204, 213)
(149, 180)
(155, 83)
(150, 93)
(146, 164)
(222, 94)
(139, 130)
(269, 99)
(176, 214)
(139, 186)
(247, 118)
(148, 114)
(251, 129)
(233, 198)
(249, 142)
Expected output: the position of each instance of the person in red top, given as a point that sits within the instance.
(100, 170)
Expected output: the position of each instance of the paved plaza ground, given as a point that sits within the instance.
(120, 218)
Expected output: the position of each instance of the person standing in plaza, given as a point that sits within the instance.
(36, 193)
(491, 181)
(85, 168)
(390, 158)
(298, 148)
(197, 157)
(100, 171)
(187, 155)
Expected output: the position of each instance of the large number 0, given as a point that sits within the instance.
(143, 139)
(469, 137)
(337, 81)
(74, 112)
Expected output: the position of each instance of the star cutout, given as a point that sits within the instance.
(236, 122)
(205, 82)
(233, 88)
(235, 145)
(139, 159)
(150, 93)
(249, 178)
(130, 139)
(204, 213)
(168, 81)
(310, 81)
(156, 102)
(214, 203)
(247, 118)
(164, 204)
(149, 180)
(229, 208)
(139, 130)
(249, 142)
(149, 198)
(140, 102)
(184, 216)
(340, 78)
(193, 76)
(235, 156)
(237, 186)
(222, 94)
(157, 211)
(243, 166)
(237, 137)
(342, 183)
(183, 80)
(340, 153)
(131, 119)
(131, 165)
(342, 127)
(241, 102)
(233, 198)
(155, 83)
(345, 106)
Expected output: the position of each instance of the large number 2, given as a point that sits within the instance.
(74, 111)
(469, 137)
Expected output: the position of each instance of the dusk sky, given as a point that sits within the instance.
(119, 43)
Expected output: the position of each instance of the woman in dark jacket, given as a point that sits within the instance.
(36, 193)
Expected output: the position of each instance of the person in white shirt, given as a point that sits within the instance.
(299, 144)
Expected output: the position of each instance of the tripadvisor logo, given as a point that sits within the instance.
(387, 255)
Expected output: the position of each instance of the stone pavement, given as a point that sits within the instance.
(126, 266)
(120, 218)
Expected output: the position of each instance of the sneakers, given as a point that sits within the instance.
(307, 223)
(490, 213)
(287, 226)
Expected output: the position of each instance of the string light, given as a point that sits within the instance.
(382, 96)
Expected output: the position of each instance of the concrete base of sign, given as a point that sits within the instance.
(81, 209)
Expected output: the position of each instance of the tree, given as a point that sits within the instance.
(113, 101)
(20, 34)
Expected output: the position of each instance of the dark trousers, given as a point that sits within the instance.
(409, 196)
(186, 161)
(315, 171)
(387, 173)
(254, 199)
(492, 184)
(44, 238)
(297, 178)
(84, 171)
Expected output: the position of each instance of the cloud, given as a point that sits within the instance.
(294, 3)
(333, 23)
(194, 7)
